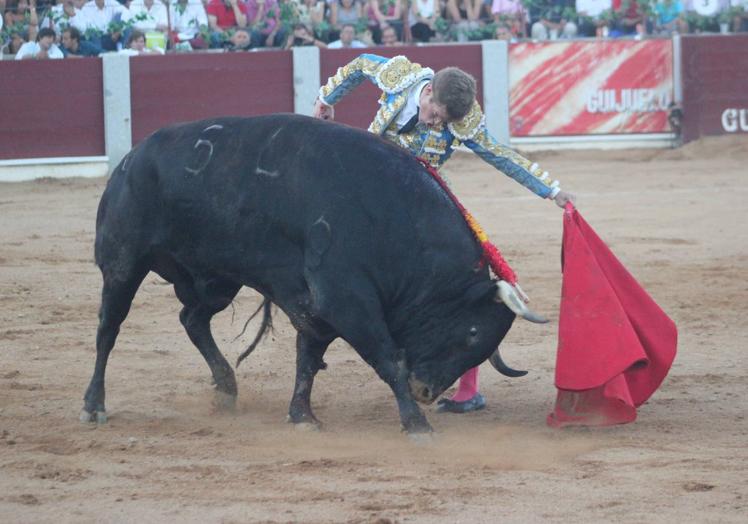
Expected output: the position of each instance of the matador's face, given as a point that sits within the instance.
(430, 112)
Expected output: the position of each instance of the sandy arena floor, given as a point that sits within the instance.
(677, 219)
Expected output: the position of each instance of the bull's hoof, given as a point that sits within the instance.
(307, 426)
(304, 422)
(223, 401)
(421, 439)
(97, 417)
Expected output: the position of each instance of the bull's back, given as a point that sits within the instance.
(234, 188)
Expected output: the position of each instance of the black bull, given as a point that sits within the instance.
(343, 231)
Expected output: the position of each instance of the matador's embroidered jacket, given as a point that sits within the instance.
(395, 77)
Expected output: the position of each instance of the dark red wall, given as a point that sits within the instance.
(358, 108)
(51, 108)
(179, 88)
(715, 78)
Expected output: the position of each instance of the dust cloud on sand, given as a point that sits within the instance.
(675, 218)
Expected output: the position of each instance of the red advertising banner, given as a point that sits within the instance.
(591, 87)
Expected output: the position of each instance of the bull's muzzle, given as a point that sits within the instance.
(515, 299)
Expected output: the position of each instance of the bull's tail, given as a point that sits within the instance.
(267, 323)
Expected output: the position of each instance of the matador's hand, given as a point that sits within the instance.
(563, 198)
(323, 111)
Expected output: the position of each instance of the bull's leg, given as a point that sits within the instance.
(116, 299)
(198, 310)
(363, 326)
(392, 368)
(309, 353)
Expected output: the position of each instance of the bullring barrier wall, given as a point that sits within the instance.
(715, 85)
(52, 108)
(96, 109)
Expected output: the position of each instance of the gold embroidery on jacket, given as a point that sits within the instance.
(386, 114)
(361, 63)
(467, 128)
(400, 73)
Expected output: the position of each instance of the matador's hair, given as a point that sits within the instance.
(455, 90)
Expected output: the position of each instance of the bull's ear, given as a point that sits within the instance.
(480, 291)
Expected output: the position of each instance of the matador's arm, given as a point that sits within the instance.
(472, 132)
(350, 76)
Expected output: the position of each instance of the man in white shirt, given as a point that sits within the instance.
(187, 17)
(99, 15)
(61, 16)
(42, 49)
(347, 34)
(149, 15)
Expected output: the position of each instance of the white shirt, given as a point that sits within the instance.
(155, 16)
(31, 49)
(133, 52)
(187, 23)
(58, 20)
(593, 7)
(338, 44)
(92, 17)
(411, 105)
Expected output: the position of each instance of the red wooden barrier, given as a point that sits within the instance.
(358, 108)
(179, 88)
(715, 85)
(51, 108)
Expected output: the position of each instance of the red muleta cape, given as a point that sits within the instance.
(615, 344)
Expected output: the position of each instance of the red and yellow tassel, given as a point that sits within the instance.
(491, 253)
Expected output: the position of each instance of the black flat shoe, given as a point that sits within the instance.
(452, 406)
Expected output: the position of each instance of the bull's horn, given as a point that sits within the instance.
(498, 364)
(509, 295)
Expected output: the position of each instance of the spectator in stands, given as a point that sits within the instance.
(464, 17)
(503, 32)
(73, 47)
(632, 21)
(264, 23)
(20, 18)
(740, 17)
(311, 13)
(61, 16)
(224, 15)
(17, 39)
(347, 39)
(510, 13)
(588, 16)
(149, 16)
(344, 12)
(389, 37)
(383, 13)
(669, 17)
(423, 15)
(44, 47)
(302, 36)
(102, 23)
(136, 45)
(240, 40)
(553, 23)
(188, 18)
